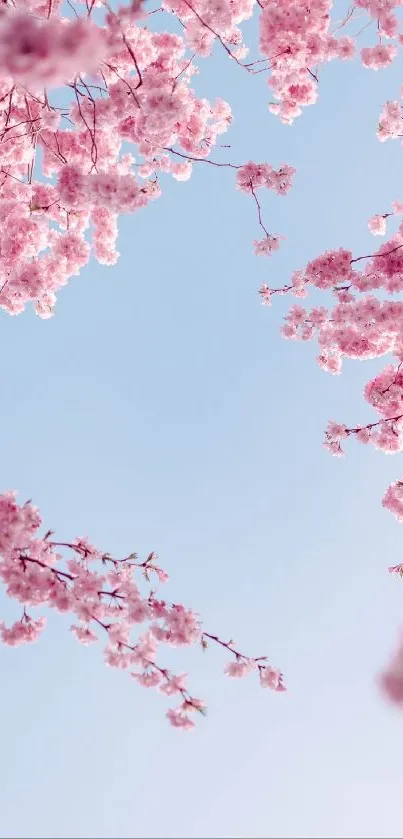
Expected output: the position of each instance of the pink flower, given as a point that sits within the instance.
(334, 447)
(138, 610)
(346, 48)
(145, 650)
(297, 316)
(379, 56)
(83, 634)
(148, 679)
(47, 52)
(377, 225)
(116, 658)
(238, 669)
(390, 121)
(289, 330)
(266, 246)
(253, 176)
(24, 631)
(174, 684)
(330, 269)
(181, 171)
(393, 499)
(182, 626)
(336, 431)
(363, 435)
(271, 678)
(330, 361)
(265, 293)
(318, 316)
(178, 719)
(83, 546)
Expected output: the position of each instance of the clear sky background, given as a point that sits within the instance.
(160, 409)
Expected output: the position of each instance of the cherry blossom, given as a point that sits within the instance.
(111, 598)
(47, 52)
(75, 92)
(118, 81)
(122, 81)
(377, 224)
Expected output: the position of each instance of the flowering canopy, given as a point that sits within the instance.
(79, 85)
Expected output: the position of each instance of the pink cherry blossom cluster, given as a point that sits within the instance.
(121, 83)
(364, 323)
(393, 499)
(297, 38)
(385, 394)
(390, 121)
(362, 326)
(359, 326)
(379, 56)
(125, 83)
(253, 176)
(207, 21)
(377, 224)
(106, 596)
(40, 52)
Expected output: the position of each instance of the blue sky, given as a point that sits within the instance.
(160, 409)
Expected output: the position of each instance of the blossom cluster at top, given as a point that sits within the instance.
(76, 88)
(120, 82)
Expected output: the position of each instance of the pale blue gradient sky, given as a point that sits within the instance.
(160, 409)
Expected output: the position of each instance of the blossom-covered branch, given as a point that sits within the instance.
(107, 597)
